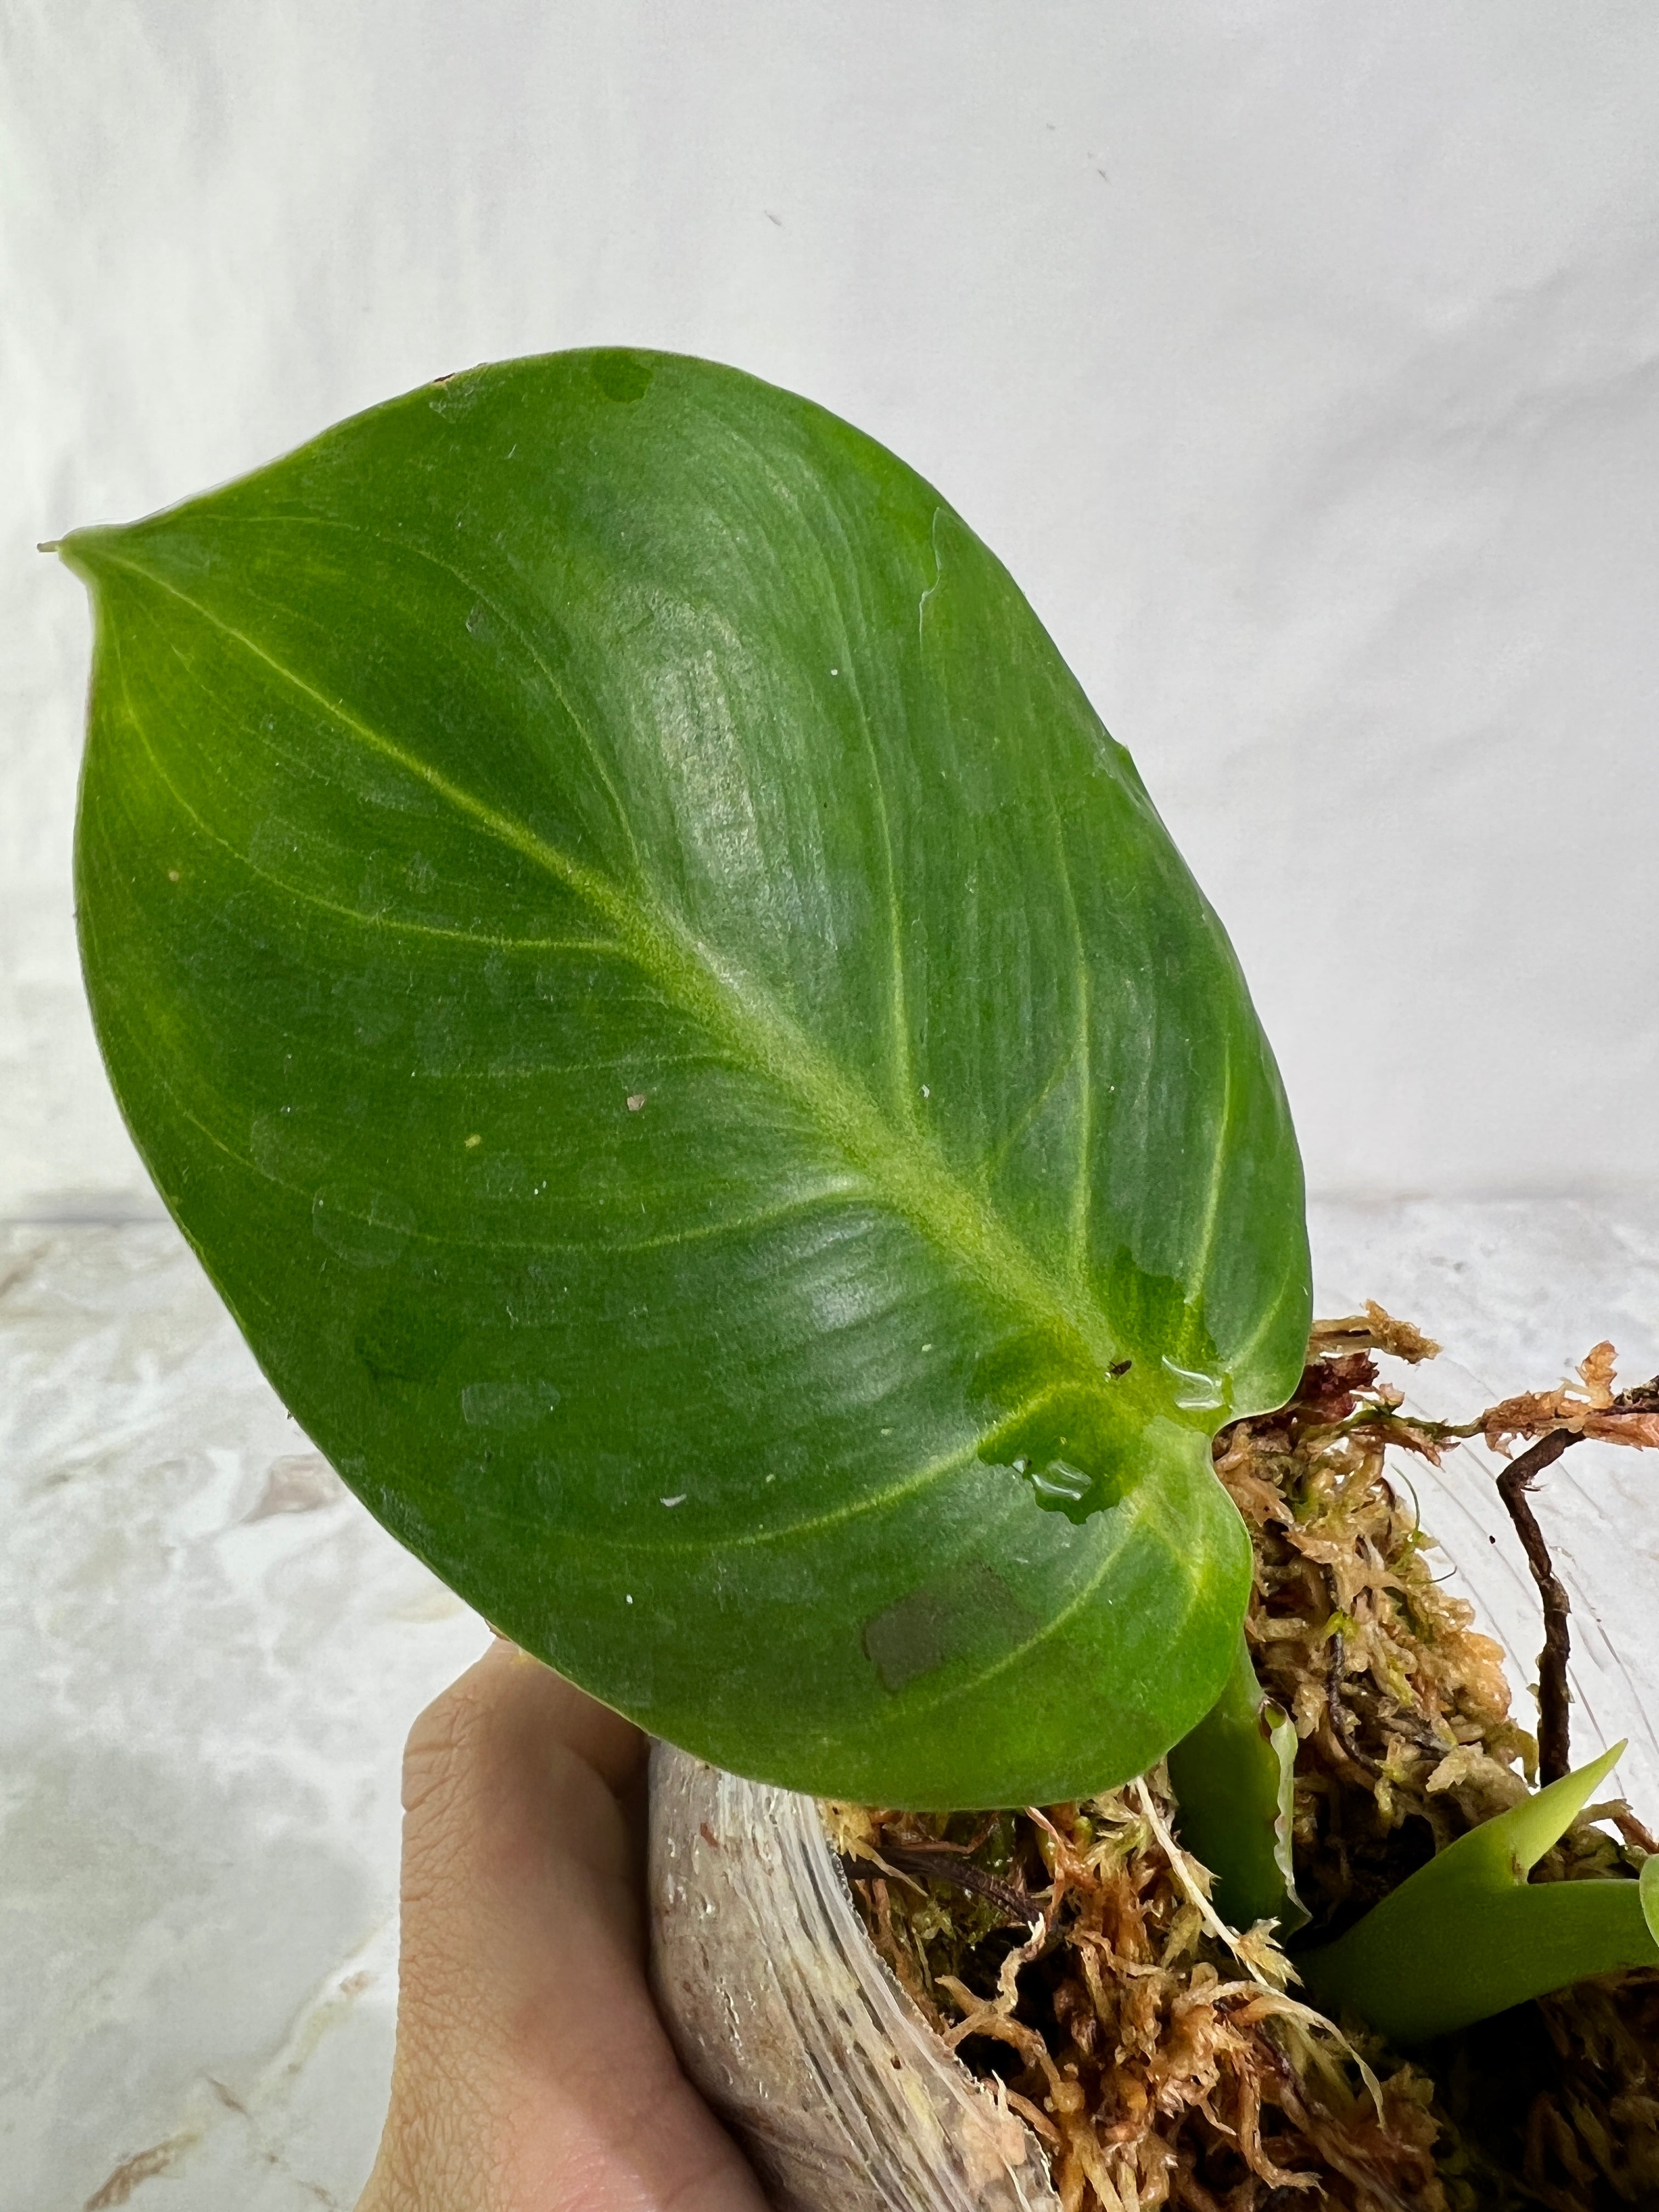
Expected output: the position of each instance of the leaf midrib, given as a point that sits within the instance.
(905, 1169)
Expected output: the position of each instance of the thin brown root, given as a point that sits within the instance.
(1554, 1725)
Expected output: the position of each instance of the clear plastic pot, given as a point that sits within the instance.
(797, 2032)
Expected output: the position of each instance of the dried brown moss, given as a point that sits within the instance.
(1160, 2061)
(1071, 1951)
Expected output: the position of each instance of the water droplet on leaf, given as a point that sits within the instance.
(1195, 1391)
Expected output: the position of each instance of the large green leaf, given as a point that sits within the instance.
(692, 1058)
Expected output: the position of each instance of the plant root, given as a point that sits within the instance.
(1554, 1722)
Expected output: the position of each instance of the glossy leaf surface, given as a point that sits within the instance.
(691, 1058)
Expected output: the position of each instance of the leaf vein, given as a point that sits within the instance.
(909, 1172)
(469, 584)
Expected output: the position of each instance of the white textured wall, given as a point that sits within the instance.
(1302, 361)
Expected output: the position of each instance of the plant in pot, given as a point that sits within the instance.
(694, 1064)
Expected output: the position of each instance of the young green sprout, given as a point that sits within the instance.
(1469, 1935)
(1234, 1777)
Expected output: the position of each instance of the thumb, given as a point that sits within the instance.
(532, 2072)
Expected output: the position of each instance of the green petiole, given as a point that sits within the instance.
(1233, 1776)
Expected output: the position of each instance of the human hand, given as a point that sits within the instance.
(532, 2072)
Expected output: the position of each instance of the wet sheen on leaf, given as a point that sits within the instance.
(694, 1062)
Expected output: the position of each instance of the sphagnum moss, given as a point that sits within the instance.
(1072, 1951)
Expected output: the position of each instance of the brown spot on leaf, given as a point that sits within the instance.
(941, 1621)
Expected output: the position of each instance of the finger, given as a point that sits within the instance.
(614, 1747)
(513, 1761)
(531, 2069)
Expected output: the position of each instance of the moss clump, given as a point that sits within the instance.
(1072, 1953)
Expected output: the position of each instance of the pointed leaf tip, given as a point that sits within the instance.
(1529, 1829)
(78, 548)
(1468, 1936)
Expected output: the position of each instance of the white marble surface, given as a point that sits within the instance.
(212, 1656)
(218, 1656)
